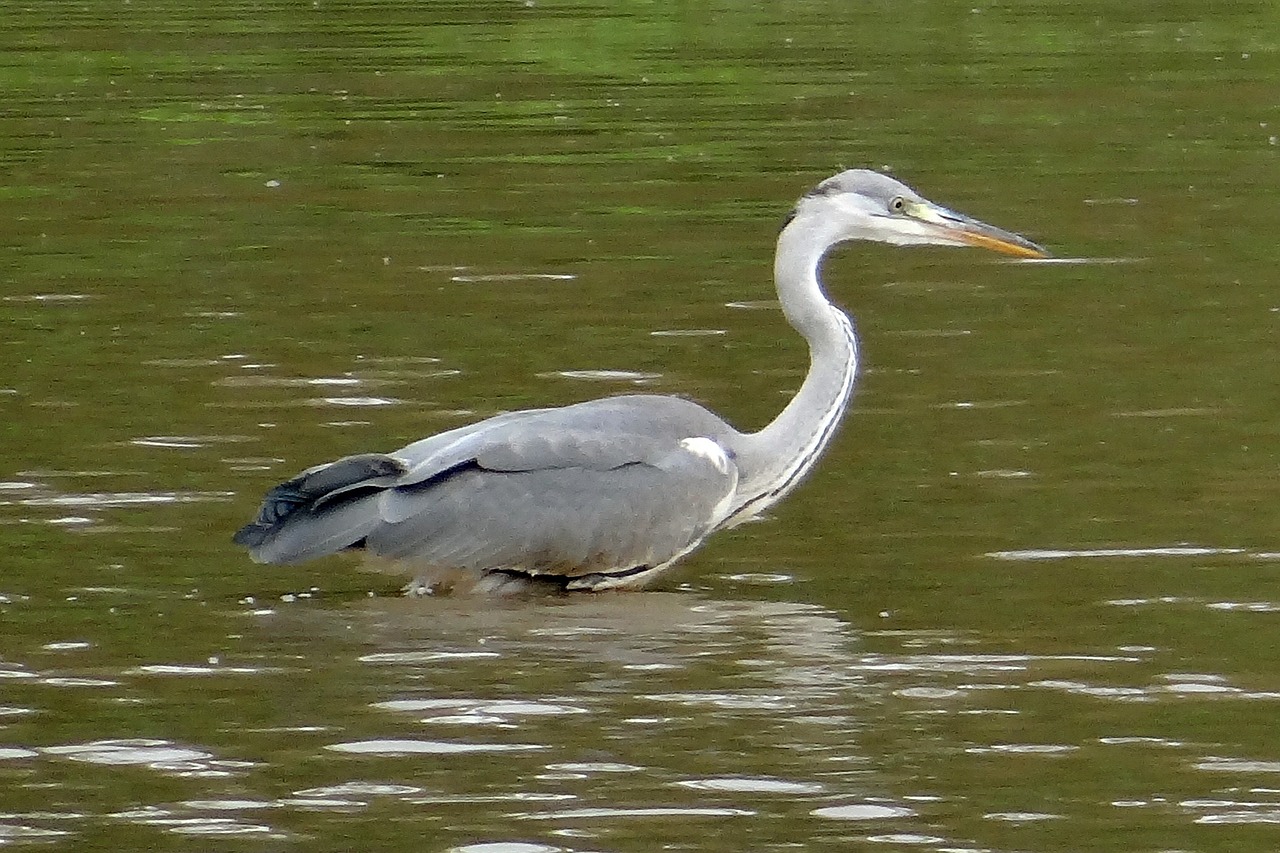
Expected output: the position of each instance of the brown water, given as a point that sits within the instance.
(1028, 602)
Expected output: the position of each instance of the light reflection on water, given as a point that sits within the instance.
(610, 712)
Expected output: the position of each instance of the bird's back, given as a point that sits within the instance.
(579, 493)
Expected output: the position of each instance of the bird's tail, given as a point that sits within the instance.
(321, 511)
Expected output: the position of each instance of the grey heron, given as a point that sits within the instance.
(609, 493)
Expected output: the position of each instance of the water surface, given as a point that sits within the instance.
(1026, 603)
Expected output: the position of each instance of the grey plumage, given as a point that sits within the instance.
(608, 493)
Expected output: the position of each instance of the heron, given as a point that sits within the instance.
(610, 493)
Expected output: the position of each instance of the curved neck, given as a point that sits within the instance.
(772, 461)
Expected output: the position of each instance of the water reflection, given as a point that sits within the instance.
(605, 716)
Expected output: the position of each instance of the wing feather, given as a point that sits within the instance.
(608, 485)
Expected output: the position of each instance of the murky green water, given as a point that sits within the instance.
(1028, 602)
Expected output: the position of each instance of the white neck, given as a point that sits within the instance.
(772, 461)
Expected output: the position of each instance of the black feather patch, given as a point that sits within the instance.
(312, 486)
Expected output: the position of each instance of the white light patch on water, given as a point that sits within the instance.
(229, 805)
(603, 375)
(1241, 817)
(49, 297)
(1067, 554)
(399, 747)
(1098, 691)
(760, 578)
(499, 709)
(1140, 740)
(8, 753)
(17, 834)
(1177, 412)
(196, 669)
(108, 500)
(504, 847)
(360, 789)
(71, 681)
(749, 785)
(354, 402)
(863, 811)
(1236, 765)
(594, 767)
(1245, 606)
(185, 442)
(725, 700)
(687, 333)
(1020, 817)
(1193, 687)
(292, 382)
(1022, 749)
(905, 838)
(151, 753)
(928, 693)
(221, 826)
(672, 811)
(422, 657)
(514, 276)
(1075, 261)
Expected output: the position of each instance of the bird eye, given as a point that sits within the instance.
(898, 205)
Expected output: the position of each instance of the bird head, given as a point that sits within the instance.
(864, 205)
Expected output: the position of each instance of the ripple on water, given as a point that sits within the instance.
(752, 785)
(735, 701)
(687, 333)
(393, 747)
(259, 381)
(360, 789)
(1217, 764)
(354, 402)
(1067, 554)
(222, 826)
(186, 442)
(1020, 817)
(140, 751)
(202, 825)
(504, 847)
(157, 755)
(653, 811)
(109, 500)
(905, 838)
(198, 669)
(603, 375)
(594, 767)
(513, 276)
(480, 710)
(1023, 749)
(12, 752)
(11, 833)
(49, 297)
(424, 657)
(863, 811)
(1181, 685)
(229, 805)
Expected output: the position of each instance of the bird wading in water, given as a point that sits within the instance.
(609, 493)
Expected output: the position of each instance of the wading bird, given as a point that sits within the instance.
(609, 493)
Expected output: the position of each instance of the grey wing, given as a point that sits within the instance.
(571, 509)
(601, 487)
